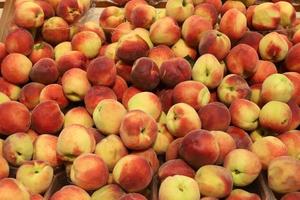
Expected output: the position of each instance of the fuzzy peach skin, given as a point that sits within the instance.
(294, 77)
(226, 144)
(11, 90)
(287, 13)
(214, 181)
(147, 102)
(64, 193)
(36, 196)
(3, 51)
(47, 8)
(10, 188)
(62, 49)
(234, 24)
(78, 115)
(198, 148)
(266, 21)
(143, 16)
(95, 27)
(130, 5)
(291, 196)
(233, 4)
(150, 156)
(4, 98)
(208, 71)
(72, 59)
(4, 168)
(163, 139)
(111, 17)
(18, 148)
(263, 70)
(130, 92)
(56, 30)
(292, 60)
(273, 47)
(29, 15)
(296, 37)
(215, 43)
(179, 187)
(295, 122)
(244, 170)
(108, 192)
(242, 60)
(73, 141)
(161, 53)
(207, 11)
(30, 94)
(175, 167)
(15, 68)
(165, 31)
(47, 117)
(108, 116)
(133, 196)
(119, 87)
(54, 92)
(283, 174)
(109, 51)
(175, 70)
(111, 149)
(49, 142)
(120, 30)
(44, 71)
(19, 41)
(36, 176)
(75, 84)
(166, 99)
(14, 117)
(89, 172)
(233, 87)
(268, 148)
(241, 137)
(192, 29)
(291, 140)
(240, 194)
(130, 179)
(179, 10)
(173, 149)
(244, 114)
(181, 49)
(96, 94)
(138, 130)
(251, 38)
(181, 119)
(193, 93)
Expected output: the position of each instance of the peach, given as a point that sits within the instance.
(95, 27)
(69, 10)
(263, 70)
(244, 114)
(14, 117)
(173, 149)
(54, 92)
(252, 39)
(111, 149)
(143, 16)
(78, 115)
(292, 61)
(291, 196)
(132, 196)
(47, 8)
(207, 11)
(18, 148)
(4, 169)
(97, 135)
(179, 187)
(109, 51)
(108, 192)
(73, 141)
(277, 87)
(242, 194)
(130, 92)
(119, 87)
(295, 121)
(36, 196)
(120, 30)
(75, 84)
(163, 139)
(291, 139)
(181, 49)
(108, 116)
(269, 21)
(90, 177)
(30, 94)
(287, 13)
(15, 68)
(19, 41)
(268, 148)
(96, 94)
(222, 184)
(241, 137)
(130, 179)
(193, 93)
(215, 116)
(49, 142)
(166, 99)
(233, 87)
(9, 89)
(44, 71)
(130, 5)
(181, 119)
(3, 51)
(111, 17)
(47, 117)
(165, 31)
(102, 71)
(12, 189)
(174, 71)
(41, 50)
(207, 70)
(1, 147)
(214, 42)
(246, 169)
(56, 30)
(198, 148)
(72, 59)
(233, 4)
(32, 172)
(296, 37)
(62, 49)
(64, 193)
(179, 10)
(234, 24)
(138, 130)
(283, 174)
(175, 167)
(147, 102)
(242, 60)
(226, 144)
(150, 156)
(53, 3)
(256, 94)
(29, 15)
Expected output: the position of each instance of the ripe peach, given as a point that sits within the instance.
(287, 13)
(72, 59)
(64, 193)
(143, 16)
(270, 20)
(173, 149)
(179, 10)
(54, 92)
(242, 194)
(30, 94)
(44, 71)
(163, 139)
(291, 196)
(19, 41)
(119, 87)
(207, 11)
(226, 144)
(4, 168)
(120, 30)
(111, 17)
(47, 8)
(109, 192)
(12, 189)
(78, 115)
(41, 50)
(132, 196)
(292, 61)
(95, 27)
(241, 137)
(175, 167)
(291, 140)
(252, 39)
(56, 30)
(263, 70)
(233, 4)
(69, 10)
(181, 49)
(130, 5)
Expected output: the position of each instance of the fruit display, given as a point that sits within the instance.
(198, 100)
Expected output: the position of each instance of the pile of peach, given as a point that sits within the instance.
(212, 90)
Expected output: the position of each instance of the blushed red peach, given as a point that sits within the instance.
(160, 53)
(54, 92)
(78, 115)
(207, 11)
(19, 41)
(264, 69)
(269, 21)
(64, 193)
(291, 139)
(44, 71)
(72, 59)
(56, 30)
(41, 50)
(292, 61)
(130, 92)
(143, 16)
(233, 4)
(173, 149)
(175, 167)
(30, 94)
(226, 144)
(241, 137)
(130, 5)
(111, 17)
(119, 87)
(12, 189)
(251, 38)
